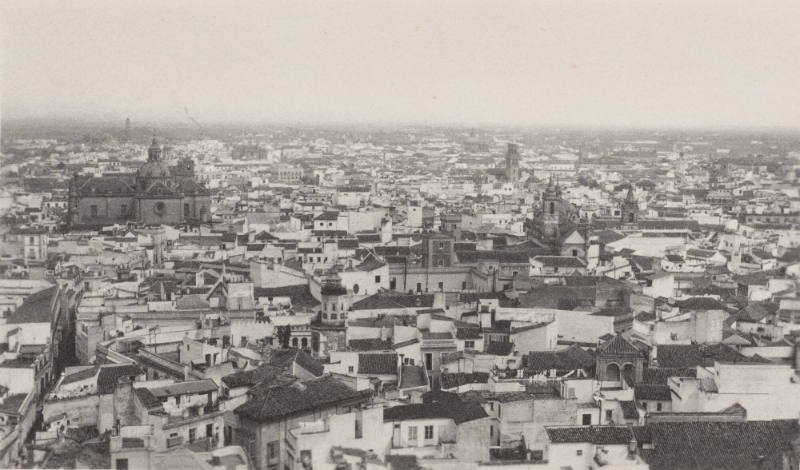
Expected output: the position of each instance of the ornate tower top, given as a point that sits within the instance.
(154, 151)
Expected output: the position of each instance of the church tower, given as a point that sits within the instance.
(551, 211)
(630, 209)
(512, 163)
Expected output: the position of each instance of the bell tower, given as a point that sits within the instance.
(512, 163)
(551, 211)
(630, 209)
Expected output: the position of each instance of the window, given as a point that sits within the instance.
(192, 434)
(491, 431)
(644, 405)
(393, 283)
(272, 450)
(122, 464)
(574, 252)
(586, 419)
(419, 287)
(658, 406)
(93, 210)
(350, 369)
(186, 210)
(469, 344)
(334, 316)
(412, 433)
(441, 245)
(178, 402)
(356, 288)
(464, 285)
(491, 405)
(609, 415)
(428, 432)
(377, 279)
(441, 285)
(579, 452)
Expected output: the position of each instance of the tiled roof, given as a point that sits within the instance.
(560, 261)
(249, 378)
(748, 445)
(693, 355)
(300, 295)
(618, 346)
(35, 308)
(371, 344)
(660, 375)
(700, 303)
(455, 379)
(598, 435)
(148, 400)
(386, 300)
(500, 348)
(184, 388)
(267, 403)
(652, 392)
(109, 375)
(573, 358)
(629, 410)
(457, 410)
(412, 376)
(377, 364)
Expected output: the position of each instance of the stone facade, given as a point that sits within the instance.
(157, 194)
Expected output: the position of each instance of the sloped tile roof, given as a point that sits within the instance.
(377, 364)
(457, 410)
(599, 435)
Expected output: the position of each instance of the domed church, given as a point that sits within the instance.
(156, 194)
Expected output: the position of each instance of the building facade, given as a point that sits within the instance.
(157, 194)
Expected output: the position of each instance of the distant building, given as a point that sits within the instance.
(157, 194)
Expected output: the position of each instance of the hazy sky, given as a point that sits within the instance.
(678, 63)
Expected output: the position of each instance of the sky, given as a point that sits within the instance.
(602, 63)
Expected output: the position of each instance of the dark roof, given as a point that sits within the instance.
(270, 402)
(747, 445)
(658, 392)
(573, 358)
(619, 346)
(35, 308)
(693, 355)
(377, 364)
(452, 380)
(148, 400)
(346, 243)
(12, 403)
(629, 410)
(249, 378)
(300, 295)
(457, 410)
(660, 375)
(500, 348)
(387, 300)
(599, 435)
(80, 375)
(109, 375)
(700, 303)
(412, 376)
(284, 358)
(560, 261)
(370, 344)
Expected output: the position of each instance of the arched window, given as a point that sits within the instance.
(294, 342)
(630, 217)
(612, 373)
(355, 288)
(304, 342)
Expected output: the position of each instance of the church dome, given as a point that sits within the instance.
(153, 169)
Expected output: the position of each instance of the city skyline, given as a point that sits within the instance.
(612, 64)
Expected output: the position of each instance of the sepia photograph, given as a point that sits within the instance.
(400, 235)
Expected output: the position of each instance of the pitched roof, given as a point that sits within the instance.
(184, 388)
(500, 348)
(455, 379)
(618, 346)
(285, 358)
(658, 392)
(573, 358)
(369, 344)
(629, 410)
(249, 378)
(457, 410)
(560, 261)
(693, 355)
(412, 376)
(377, 364)
(386, 300)
(270, 402)
(747, 445)
(599, 435)
(35, 308)
(109, 375)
